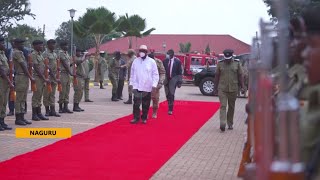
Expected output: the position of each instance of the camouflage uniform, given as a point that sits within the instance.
(38, 61)
(228, 90)
(128, 65)
(87, 66)
(4, 89)
(156, 96)
(114, 75)
(65, 81)
(102, 67)
(49, 98)
(78, 89)
(21, 82)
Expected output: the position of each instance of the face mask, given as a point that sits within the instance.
(168, 56)
(142, 54)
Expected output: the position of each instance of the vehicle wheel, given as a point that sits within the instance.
(207, 86)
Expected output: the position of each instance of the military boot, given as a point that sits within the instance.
(101, 85)
(114, 97)
(19, 121)
(66, 109)
(61, 110)
(40, 115)
(47, 111)
(4, 125)
(76, 107)
(129, 100)
(35, 114)
(53, 112)
(1, 128)
(24, 120)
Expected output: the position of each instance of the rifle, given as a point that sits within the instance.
(58, 75)
(12, 91)
(46, 74)
(30, 69)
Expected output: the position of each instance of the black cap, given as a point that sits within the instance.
(63, 43)
(228, 53)
(1, 39)
(37, 42)
(18, 40)
(51, 41)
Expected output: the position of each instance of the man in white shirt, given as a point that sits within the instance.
(144, 79)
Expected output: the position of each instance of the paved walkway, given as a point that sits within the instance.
(209, 154)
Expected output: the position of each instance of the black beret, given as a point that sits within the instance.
(63, 43)
(51, 41)
(37, 42)
(1, 39)
(18, 40)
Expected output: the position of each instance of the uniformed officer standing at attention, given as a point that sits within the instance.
(64, 78)
(114, 68)
(78, 89)
(228, 77)
(102, 67)
(88, 66)
(5, 83)
(38, 73)
(49, 98)
(21, 81)
(131, 57)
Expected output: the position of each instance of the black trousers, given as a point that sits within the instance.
(139, 98)
(120, 88)
(169, 96)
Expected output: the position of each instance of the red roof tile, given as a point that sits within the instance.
(217, 43)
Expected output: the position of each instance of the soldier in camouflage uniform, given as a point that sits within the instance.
(311, 118)
(131, 57)
(88, 66)
(5, 83)
(78, 89)
(64, 78)
(114, 67)
(102, 67)
(49, 98)
(21, 81)
(228, 75)
(156, 96)
(40, 80)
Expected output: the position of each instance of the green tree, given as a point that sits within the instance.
(99, 23)
(207, 50)
(63, 33)
(27, 32)
(12, 12)
(185, 48)
(132, 26)
(295, 7)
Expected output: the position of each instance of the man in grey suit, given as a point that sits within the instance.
(173, 78)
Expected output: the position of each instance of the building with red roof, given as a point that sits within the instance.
(164, 42)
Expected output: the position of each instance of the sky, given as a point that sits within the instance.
(238, 18)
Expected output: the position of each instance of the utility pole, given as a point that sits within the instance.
(43, 30)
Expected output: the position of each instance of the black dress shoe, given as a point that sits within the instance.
(134, 121)
(144, 121)
(222, 128)
(170, 112)
(230, 127)
(88, 100)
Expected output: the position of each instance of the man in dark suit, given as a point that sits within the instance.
(173, 78)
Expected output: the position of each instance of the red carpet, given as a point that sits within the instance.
(116, 150)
